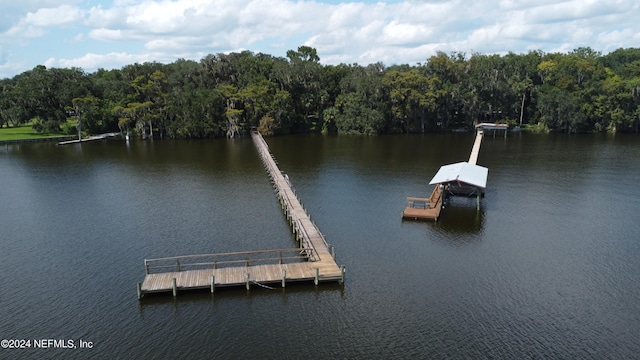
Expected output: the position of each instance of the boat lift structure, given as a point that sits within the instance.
(459, 179)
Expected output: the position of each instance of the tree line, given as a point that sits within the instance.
(228, 94)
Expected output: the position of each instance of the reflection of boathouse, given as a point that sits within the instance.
(459, 179)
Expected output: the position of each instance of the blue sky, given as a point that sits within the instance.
(93, 34)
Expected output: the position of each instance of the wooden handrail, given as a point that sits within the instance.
(180, 263)
(224, 254)
(228, 262)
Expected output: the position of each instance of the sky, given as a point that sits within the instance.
(109, 34)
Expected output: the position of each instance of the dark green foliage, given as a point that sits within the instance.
(228, 94)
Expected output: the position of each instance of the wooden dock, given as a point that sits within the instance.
(460, 179)
(425, 208)
(475, 151)
(90, 138)
(493, 127)
(313, 260)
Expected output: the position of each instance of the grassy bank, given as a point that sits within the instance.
(25, 132)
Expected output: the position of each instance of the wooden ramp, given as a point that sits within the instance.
(425, 208)
(475, 151)
(313, 260)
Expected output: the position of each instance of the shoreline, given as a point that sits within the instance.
(36, 140)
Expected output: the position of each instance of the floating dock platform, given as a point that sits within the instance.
(425, 208)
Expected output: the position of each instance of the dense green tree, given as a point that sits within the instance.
(412, 96)
(227, 94)
(451, 91)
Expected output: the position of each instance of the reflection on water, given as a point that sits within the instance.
(546, 268)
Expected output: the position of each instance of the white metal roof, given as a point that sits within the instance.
(463, 172)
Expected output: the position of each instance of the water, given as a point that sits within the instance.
(547, 268)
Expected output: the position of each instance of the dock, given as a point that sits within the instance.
(460, 179)
(493, 127)
(312, 260)
(475, 151)
(425, 208)
(89, 138)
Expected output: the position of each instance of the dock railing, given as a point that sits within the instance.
(216, 261)
(313, 260)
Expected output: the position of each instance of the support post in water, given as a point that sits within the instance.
(284, 277)
(174, 285)
(139, 291)
(213, 283)
(247, 282)
(317, 278)
(342, 270)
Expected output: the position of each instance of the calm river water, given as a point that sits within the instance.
(548, 268)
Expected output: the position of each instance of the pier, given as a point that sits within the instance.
(460, 179)
(475, 150)
(312, 260)
(90, 138)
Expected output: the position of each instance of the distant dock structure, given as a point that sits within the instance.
(460, 179)
(90, 138)
(493, 127)
(313, 260)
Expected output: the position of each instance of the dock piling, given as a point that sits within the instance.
(284, 277)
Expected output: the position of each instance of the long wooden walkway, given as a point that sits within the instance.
(313, 260)
(475, 151)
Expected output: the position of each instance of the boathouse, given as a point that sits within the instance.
(459, 179)
(462, 179)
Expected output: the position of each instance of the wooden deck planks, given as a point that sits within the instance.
(237, 276)
(432, 212)
(475, 150)
(308, 232)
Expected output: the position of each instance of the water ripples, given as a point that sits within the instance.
(546, 268)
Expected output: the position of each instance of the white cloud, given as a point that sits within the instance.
(25, 31)
(96, 61)
(117, 32)
(106, 34)
(61, 15)
(35, 24)
(173, 44)
(78, 38)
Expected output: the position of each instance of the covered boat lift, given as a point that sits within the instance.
(459, 179)
(462, 179)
